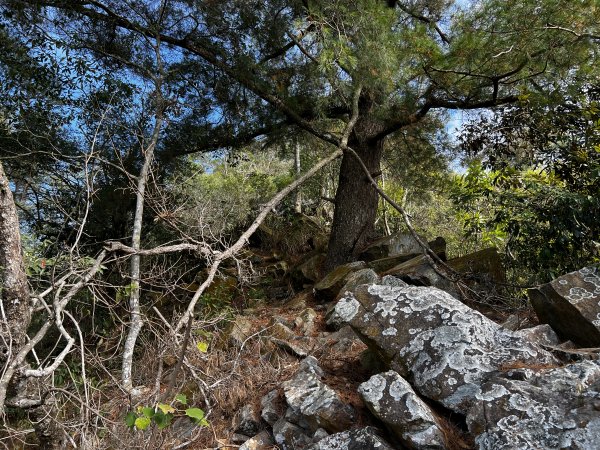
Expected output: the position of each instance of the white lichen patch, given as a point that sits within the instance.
(347, 308)
(492, 394)
(391, 331)
(399, 387)
(372, 391)
(386, 308)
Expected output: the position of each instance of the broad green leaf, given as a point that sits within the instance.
(195, 413)
(162, 420)
(148, 412)
(141, 423)
(130, 419)
(202, 346)
(181, 398)
(166, 409)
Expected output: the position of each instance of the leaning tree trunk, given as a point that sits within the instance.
(356, 200)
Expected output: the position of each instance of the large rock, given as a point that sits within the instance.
(357, 439)
(539, 409)
(392, 400)
(320, 404)
(399, 244)
(289, 436)
(418, 271)
(571, 305)
(262, 441)
(308, 271)
(442, 346)
(384, 264)
(247, 421)
(326, 289)
(355, 279)
(484, 265)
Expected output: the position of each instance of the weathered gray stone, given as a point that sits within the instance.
(320, 404)
(385, 264)
(326, 289)
(236, 332)
(309, 271)
(485, 265)
(289, 436)
(262, 441)
(320, 434)
(445, 348)
(392, 281)
(542, 335)
(355, 279)
(392, 400)
(247, 421)
(270, 407)
(550, 409)
(305, 321)
(238, 438)
(418, 271)
(400, 244)
(571, 305)
(357, 439)
(300, 301)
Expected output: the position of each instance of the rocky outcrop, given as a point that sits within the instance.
(359, 439)
(392, 400)
(326, 289)
(445, 348)
(399, 244)
(317, 402)
(571, 305)
(555, 408)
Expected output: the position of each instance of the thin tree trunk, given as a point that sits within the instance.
(386, 224)
(298, 200)
(15, 312)
(134, 298)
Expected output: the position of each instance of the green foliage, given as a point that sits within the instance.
(223, 197)
(163, 414)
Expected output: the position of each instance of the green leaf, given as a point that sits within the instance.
(162, 420)
(130, 419)
(166, 409)
(141, 423)
(195, 413)
(148, 412)
(202, 346)
(181, 398)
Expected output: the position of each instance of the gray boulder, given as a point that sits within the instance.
(571, 305)
(357, 439)
(326, 289)
(247, 421)
(392, 400)
(400, 244)
(321, 405)
(442, 346)
(556, 408)
(270, 407)
(262, 441)
(289, 436)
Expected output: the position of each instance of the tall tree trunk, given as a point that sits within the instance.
(355, 202)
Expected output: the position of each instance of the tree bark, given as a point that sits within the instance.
(355, 200)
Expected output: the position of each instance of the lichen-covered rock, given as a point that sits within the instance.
(392, 400)
(355, 279)
(305, 321)
(270, 407)
(262, 441)
(555, 408)
(418, 271)
(320, 404)
(236, 333)
(289, 436)
(357, 439)
(247, 421)
(444, 347)
(571, 305)
(326, 289)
